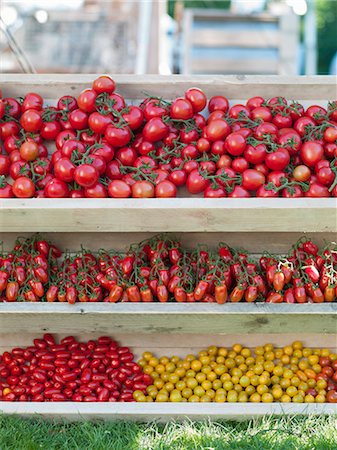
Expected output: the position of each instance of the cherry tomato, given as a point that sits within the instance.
(23, 187)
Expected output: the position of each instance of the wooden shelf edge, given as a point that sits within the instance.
(174, 215)
(168, 308)
(162, 412)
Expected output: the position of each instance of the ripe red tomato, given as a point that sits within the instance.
(49, 130)
(165, 189)
(277, 160)
(263, 113)
(178, 177)
(86, 175)
(239, 192)
(134, 117)
(119, 189)
(78, 119)
(235, 144)
(56, 189)
(23, 187)
(117, 137)
(311, 152)
(31, 121)
(104, 83)
(195, 183)
(97, 122)
(218, 103)
(6, 190)
(29, 150)
(217, 129)
(197, 98)
(255, 102)
(96, 191)
(155, 130)
(255, 155)
(142, 189)
(252, 179)
(317, 190)
(32, 101)
(301, 173)
(4, 165)
(181, 109)
(64, 170)
(87, 100)
(67, 103)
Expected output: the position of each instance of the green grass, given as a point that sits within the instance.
(286, 433)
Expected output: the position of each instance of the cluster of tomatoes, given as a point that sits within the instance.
(100, 146)
(94, 371)
(160, 269)
(238, 374)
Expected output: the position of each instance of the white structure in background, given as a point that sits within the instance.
(247, 6)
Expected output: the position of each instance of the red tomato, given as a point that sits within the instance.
(64, 170)
(239, 192)
(142, 189)
(119, 189)
(277, 160)
(197, 98)
(218, 103)
(78, 119)
(32, 101)
(261, 112)
(86, 175)
(255, 155)
(217, 129)
(195, 183)
(49, 130)
(67, 103)
(252, 179)
(87, 100)
(31, 121)
(23, 187)
(104, 84)
(165, 189)
(181, 109)
(4, 165)
(235, 144)
(29, 150)
(311, 152)
(155, 130)
(117, 137)
(96, 191)
(255, 102)
(56, 189)
(178, 177)
(317, 190)
(134, 117)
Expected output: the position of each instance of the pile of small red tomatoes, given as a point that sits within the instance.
(92, 371)
(97, 145)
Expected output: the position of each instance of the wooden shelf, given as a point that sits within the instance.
(176, 215)
(170, 318)
(163, 412)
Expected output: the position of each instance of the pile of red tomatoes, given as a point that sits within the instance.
(161, 270)
(100, 146)
(93, 371)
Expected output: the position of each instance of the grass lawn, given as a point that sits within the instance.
(288, 433)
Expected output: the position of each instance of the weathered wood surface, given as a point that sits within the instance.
(177, 214)
(162, 412)
(169, 318)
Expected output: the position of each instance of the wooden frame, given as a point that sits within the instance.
(283, 39)
(169, 318)
(162, 412)
(274, 223)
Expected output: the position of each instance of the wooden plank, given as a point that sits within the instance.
(169, 318)
(176, 215)
(218, 14)
(210, 37)
(178, 344)
(231, 66)
(134, 86)
(288, 45)
(255, 243)
(162, 412)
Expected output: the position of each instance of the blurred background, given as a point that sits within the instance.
(285, 37)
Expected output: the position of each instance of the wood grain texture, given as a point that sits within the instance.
(51, 86)
(255, 243)
(175, 215)
(171, 318)
(162, 412)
